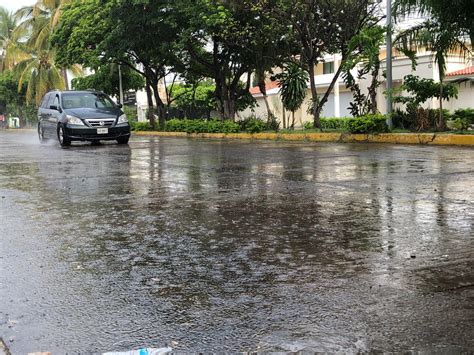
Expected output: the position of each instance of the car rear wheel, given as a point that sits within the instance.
(123, 140)
(41, 135)
(64, 140)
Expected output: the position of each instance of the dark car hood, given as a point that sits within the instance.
(86, 113)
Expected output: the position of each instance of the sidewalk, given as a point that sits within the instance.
(391, 138)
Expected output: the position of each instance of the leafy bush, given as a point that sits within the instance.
(459, 124)
(308, 125)
(130, 111)
(335, 123)
(139, 126)
(367, 124)
(252, 124)
(201, 126)
(273, 124)
(466, 113)
(418, 119)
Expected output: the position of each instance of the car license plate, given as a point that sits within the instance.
(102, 130)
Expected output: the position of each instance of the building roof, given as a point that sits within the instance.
(269, 86)
(465, 71)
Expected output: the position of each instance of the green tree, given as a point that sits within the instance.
(457, 15)
(293, 84)
(199, 96)
(439, 39)
(144, 39)
(7, 25)
(219, 41)
(365, 55)
(106, 79)
(322, 27)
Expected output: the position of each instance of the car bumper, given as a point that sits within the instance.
(90, 134)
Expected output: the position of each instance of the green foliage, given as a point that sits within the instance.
(421, 90)
(365, 50)
(367, 124)
(293, 86)
(462, 119)
(201, 126)
(459, 124)
(106, 79)
(139, 126)
(418, 119)
(308, 125)
(335, 123)
(252, 124)
(131, 112)
(194, 97)
(273, 124)
(467, 113)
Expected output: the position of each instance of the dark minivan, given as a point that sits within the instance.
(81, 116)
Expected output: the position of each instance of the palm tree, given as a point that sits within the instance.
(447, 31)
(7, 25)
(439, 39)
(293, 84)
(30, 54)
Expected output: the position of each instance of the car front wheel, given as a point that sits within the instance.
(64, 140)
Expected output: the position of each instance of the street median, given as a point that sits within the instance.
(391, 138)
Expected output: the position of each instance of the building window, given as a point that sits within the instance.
(328, 67)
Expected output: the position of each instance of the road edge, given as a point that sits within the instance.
(390, 138)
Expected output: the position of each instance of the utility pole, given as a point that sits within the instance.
(389, 64)
(120, 84)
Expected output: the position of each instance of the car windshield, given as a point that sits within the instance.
(86, 100)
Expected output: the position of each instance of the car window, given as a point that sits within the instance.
(86, 100)
(56, 101)
(44, 104)
(51, 100)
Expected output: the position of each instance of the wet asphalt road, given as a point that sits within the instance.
(208, 245)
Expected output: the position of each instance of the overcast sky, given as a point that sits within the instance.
(14, 5)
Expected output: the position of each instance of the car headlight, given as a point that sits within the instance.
(122, 119)
(74, 120)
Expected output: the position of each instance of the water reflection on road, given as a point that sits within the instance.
(230, 246)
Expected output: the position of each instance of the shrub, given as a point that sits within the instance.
(466, 113)
(367, 124)
(139, 126)
(201, 126)
(308, 125)
(252, 124)
(335, 123)
(459, 124)
(273, 124)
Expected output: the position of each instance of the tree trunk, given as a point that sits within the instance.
(441, 124)
(284, 117)
(292, 120)
(314, 96)
(160, 106)
(263, 90)
(373, 88)
(149, 97)
(64, 75)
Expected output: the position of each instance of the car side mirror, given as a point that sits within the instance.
(56, 108)
(119, 105)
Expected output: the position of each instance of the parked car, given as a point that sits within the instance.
(81, 116)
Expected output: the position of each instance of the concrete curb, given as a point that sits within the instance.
(391, 138)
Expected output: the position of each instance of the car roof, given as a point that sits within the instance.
(76, 91)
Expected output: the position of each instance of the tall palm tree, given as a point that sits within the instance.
(30, 53)
(438, 39)
(7, 25)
